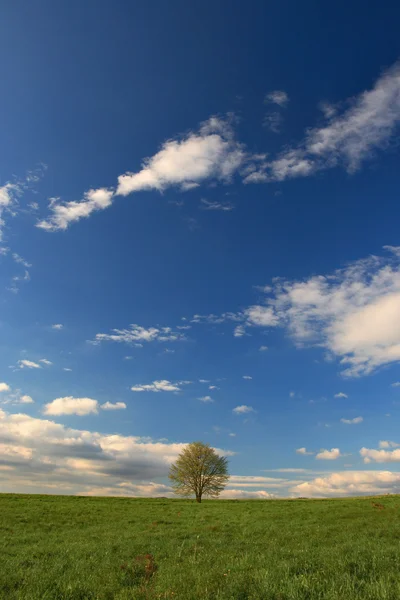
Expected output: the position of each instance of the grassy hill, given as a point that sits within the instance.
(76, 548)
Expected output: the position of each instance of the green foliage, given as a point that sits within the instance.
(200, 471)
(71, 548)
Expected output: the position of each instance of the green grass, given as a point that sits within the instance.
(74, 548)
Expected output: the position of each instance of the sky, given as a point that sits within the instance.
(199, 241)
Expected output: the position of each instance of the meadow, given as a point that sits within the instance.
(78, 548)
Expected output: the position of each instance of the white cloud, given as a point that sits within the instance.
(243, 409)
(232, 434)
(213, 387)
(292, 394)
(352, 313)
(278, 97)
(247, 377)
(4, 387)
(221, 206)
(212, 153)
(67, 369)
(71, 406)
(352, 421)
(160, 386)
(63, 214)
(45, 361)
(21, 261)
(341, 395)
(332, 454)
(380, 456)
(245, 494)
(350, 483)
(239, 331)
(57, 326)
(136, 333)
(43, 456)
(216, 319)
(303, 451)
(115, 406)
(396, 384)
(205, 399)
(25, 399)
(28, 364)
(204, 381)
(263, 348)
(388, 444)
(347, 139)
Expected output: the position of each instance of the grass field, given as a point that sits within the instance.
(70, 548)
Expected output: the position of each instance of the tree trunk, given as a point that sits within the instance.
(198, 498)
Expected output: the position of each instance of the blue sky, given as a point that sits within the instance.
(199, 240)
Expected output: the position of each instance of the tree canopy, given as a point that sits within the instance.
(199, 470)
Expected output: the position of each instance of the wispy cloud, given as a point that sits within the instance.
(205, 399)
(341, 395)
(45, 361)
(248, 377)
(62, 214)
(57, 326)
(221, 206)
(347, 139)
(162, 385)
(28, 364)
(136, 333)
(354, 421)
(279, 97)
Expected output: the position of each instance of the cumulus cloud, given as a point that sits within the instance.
(332, 454)
(71, 406)
(63, 214)
(25, 399)
(211, 153)
(28, 364)
(136, 333)
(341, 395)
(205, 399)
(381, 456)
(303, 451)
(160, 386)
(111, 406)
(352, 421)
(350, 483)
(243, 409)
(40, 455)
(4, 387)
(353, 313)
(346, 139)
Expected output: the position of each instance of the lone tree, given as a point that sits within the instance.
(199, 470)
